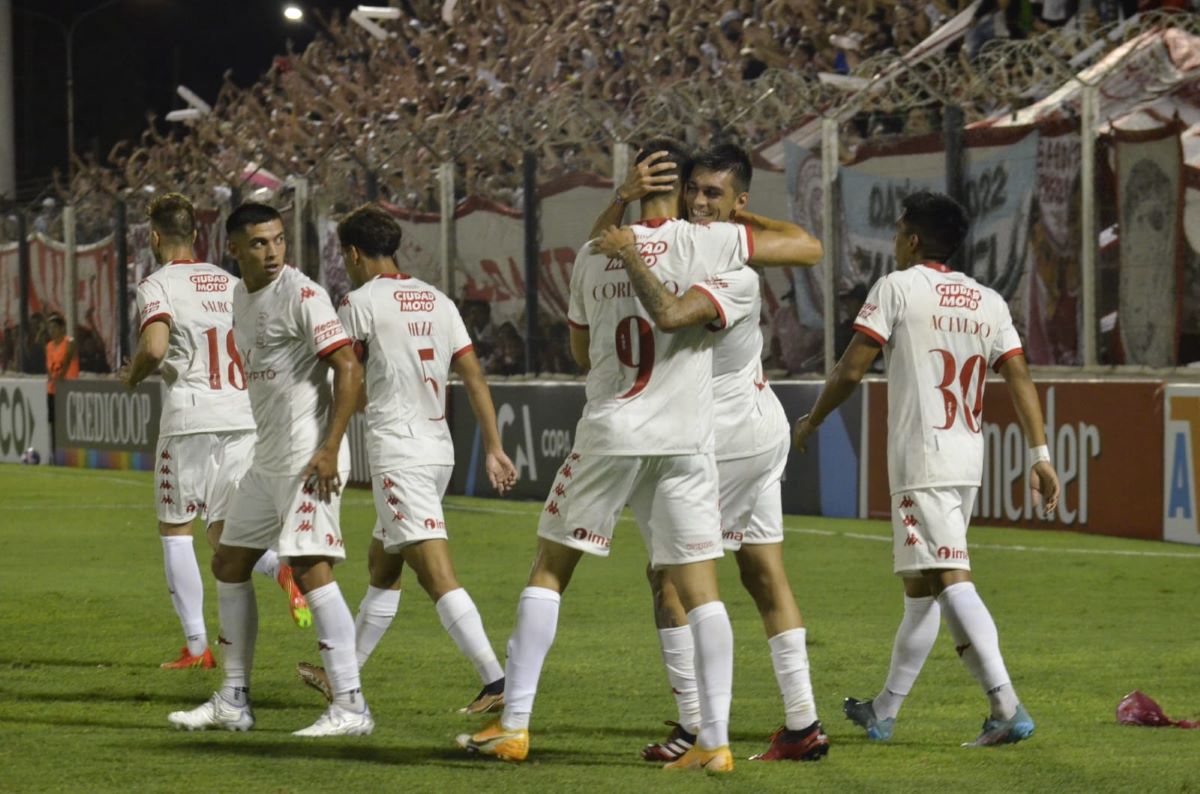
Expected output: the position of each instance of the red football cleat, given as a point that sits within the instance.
(186, 661)
(810, 744)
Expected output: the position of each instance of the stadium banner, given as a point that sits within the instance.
(1098, 433)
(10, 295)
(537, 428)
(1181, 463)
(24, 421)
(99, 424)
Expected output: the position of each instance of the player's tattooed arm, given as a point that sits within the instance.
(670, 312)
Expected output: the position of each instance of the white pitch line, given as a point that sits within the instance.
(887, 539)
(57, 472)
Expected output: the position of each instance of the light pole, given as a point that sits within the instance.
(68, 31)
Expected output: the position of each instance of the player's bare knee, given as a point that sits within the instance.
(174, 530)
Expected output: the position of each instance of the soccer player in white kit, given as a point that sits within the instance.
(751, 450)
(290, 340)
(409, 336)
(940, 332)
(206, 432)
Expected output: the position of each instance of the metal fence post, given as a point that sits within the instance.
(71, 308)
(446, 238)
(956, 177)
(1088, 119)
(532, 213)
(122, 264)
(829, 170)
(23, 284)
(299, 221)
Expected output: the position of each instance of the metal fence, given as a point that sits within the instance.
(1022, 132)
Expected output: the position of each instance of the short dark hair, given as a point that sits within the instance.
(727, 157)
(251, 214)
(677, 153)
(173, 216)
(370, 229)
(940, 222)
(56, 318)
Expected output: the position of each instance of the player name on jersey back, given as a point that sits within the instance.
(941, 330)
(203, 375)
(649, 392)
(412, 333)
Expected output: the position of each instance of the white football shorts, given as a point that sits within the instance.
(280, 509)
(408, 505)
(197, 474)
(673, 498)
(929, 529)
(751, 497)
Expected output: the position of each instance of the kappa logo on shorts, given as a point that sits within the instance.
(398, 516)
(393, 500)
(165, 485)
(559, 490)
(552, 508)
(165, 455)
(308, 490)
(911, 521)
(304, 526)
(573, 456)
(580, 533)
(947, 553)
(307, 507)
(387, 483)
(566, 471)
(912, 540)
(165, 469)
(906, 503)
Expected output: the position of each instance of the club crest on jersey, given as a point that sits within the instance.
(412, 300)
(959, 296)
(209, 282)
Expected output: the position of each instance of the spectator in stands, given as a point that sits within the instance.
(477, 315)
(508, 358)
(62, 362)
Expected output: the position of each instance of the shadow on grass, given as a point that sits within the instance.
(29, 664)
(339, 750)
(95, 696)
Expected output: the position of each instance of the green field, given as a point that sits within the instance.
(86, 619)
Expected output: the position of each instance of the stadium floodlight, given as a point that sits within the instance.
(187, 114)
(843, 82)
(378, 12)
(293, 12)
(360, 19)
(192, 99)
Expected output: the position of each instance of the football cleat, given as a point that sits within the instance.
(498, 741)
(297, 603)
(217, 712)
(186, 661)
(671, 748)
(862, 714)
(337, 721)
(717, 760)
(490, 699)
(1004, 731)
(315, 677)
(810, 744)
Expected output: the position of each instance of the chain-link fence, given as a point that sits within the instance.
(1065, 147)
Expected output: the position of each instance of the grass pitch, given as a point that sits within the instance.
(86, 619)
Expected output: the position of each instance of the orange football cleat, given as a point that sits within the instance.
(186, 661)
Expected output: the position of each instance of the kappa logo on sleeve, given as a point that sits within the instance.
(209, 282)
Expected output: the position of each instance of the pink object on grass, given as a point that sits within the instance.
(1137, 708)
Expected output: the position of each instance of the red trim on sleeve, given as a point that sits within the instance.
(1016, 351)
(332, 346)
(576, 325)
(163, 316)
(749, 242)
(721, 322)
(462, 352)
(862, 329)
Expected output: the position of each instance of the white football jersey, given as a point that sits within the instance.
(411, 333)
(283, 332)
(205, 381)
(649, 392)
(940, 331)
(748, 418)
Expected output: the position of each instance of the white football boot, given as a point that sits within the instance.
(216, 712)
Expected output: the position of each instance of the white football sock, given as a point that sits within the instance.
(187, 589)
(978, 645)
(375, 614)
(713, 636)
(335, 640)
(915, 637)
(789, 657)
(268, 565)
(537, 623)
(238, 608)
(461, 621)
(679, 657)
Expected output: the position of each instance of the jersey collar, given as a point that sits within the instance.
(398, 276)
(938, 266)
(652, 223)
(184, 262)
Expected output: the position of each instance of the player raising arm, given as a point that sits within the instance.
(939, 331)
